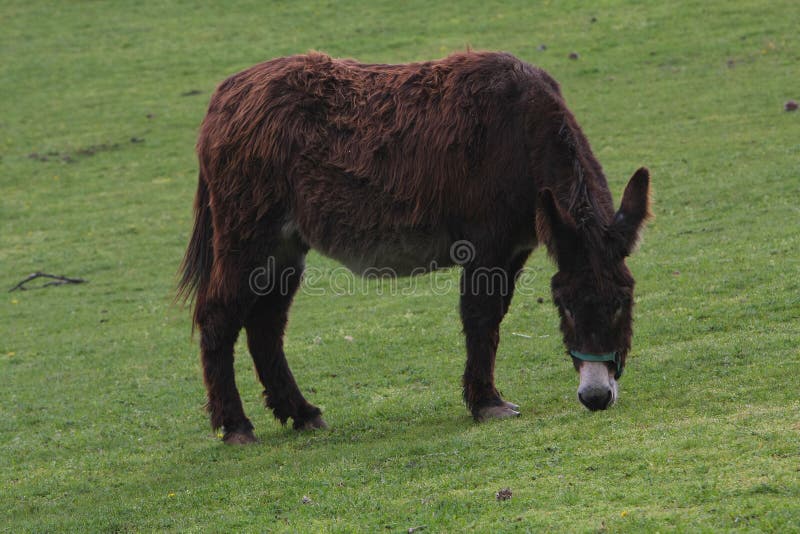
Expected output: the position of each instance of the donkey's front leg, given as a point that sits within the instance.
(482, 309)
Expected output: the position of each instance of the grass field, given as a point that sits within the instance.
(102, 425)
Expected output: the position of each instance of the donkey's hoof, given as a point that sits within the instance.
(497, 412)
(240, 438)
(313, 424)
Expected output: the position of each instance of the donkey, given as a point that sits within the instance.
(395, 166)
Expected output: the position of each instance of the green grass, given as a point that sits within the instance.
(101, 419)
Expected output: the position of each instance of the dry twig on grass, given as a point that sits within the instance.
(55, 281)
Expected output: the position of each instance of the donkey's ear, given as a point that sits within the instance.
(634, 210)
(554, 226)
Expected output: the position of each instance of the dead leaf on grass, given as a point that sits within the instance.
(503, 495)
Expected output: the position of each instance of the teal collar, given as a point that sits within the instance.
(606, 357)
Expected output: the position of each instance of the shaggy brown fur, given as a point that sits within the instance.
(388, 166)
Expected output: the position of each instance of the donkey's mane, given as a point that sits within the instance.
(585, 195)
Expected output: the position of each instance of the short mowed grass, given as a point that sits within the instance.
(102, 425)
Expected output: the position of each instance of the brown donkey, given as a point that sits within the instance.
(403, 167)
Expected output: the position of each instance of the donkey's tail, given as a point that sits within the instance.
(195, 270)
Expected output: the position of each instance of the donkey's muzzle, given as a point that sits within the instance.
(598, 389)
(596, 398)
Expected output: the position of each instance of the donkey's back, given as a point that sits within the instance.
(377, 165)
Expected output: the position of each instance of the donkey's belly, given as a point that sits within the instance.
(404, 256)
(390, 254)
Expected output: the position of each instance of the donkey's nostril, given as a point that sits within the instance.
(596, 399)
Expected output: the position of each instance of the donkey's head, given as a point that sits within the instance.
(593, 288)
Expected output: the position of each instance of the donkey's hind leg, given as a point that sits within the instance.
(265, 326)
(219, 328)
